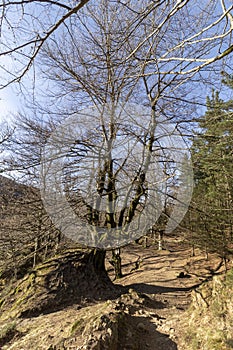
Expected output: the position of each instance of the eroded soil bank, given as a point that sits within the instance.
(143, 312)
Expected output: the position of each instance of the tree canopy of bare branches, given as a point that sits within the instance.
(195, 34)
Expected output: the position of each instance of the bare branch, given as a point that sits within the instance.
(38, 41)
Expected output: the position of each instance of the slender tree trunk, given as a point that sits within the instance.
(225, 263)
(116, 261)
(193, 250)
(146, 245)
(160, 240)
(206, 253)
(35, 252)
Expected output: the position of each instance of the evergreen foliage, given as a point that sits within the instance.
(211, 213)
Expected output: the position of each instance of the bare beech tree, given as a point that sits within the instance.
(111, 52)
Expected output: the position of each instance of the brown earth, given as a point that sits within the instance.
(147, 315)
(167, 278)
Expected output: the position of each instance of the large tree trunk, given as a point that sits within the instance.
(97, 258)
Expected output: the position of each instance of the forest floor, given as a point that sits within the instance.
(163, 282)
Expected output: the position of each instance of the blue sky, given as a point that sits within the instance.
(8, 103)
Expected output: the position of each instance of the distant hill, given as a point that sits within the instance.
(27, 235)
(11, 188)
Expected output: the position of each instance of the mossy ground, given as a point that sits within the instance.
(60, 304)
(210, 325)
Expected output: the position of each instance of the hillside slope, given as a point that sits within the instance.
(55, 308)
(208, 323)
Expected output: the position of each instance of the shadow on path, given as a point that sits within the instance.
(145, 335)
(152, 289)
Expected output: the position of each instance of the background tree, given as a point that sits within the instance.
(27, 235)
(5, 135)
(212, 158)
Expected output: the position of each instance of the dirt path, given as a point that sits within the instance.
(145, 316)
(166, 278)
